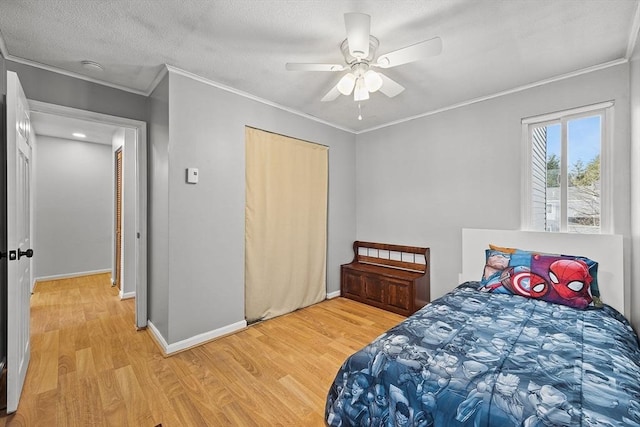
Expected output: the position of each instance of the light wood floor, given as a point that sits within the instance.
(90, 367)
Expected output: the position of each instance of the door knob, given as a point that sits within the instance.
(28, 253)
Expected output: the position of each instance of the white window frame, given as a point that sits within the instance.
(606, 178)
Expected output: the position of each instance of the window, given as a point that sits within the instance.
(566, 175)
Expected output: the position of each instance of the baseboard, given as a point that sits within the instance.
(331, 295)
(127, 295)
(170, 349)
(70, 275)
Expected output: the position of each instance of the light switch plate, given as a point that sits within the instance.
(192, 175)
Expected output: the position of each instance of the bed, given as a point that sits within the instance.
(488, 355)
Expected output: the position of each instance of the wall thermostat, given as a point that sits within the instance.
(192, 175)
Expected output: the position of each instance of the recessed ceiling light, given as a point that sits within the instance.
(91, 65)
(79, 135)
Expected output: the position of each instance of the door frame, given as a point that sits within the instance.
(118, 213)
(140, 128)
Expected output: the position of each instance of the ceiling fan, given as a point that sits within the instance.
(359, 51)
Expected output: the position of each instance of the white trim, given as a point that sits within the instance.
(331, 295)
(564, 174)
(141, 227)
(503, 93)
(252, 97)
(633, 35)
(196, 340)
(128, 295)
(557, 115)
(72, 74)
(525, 181)
(3, 47)
(155, 333)
(606, 171)
(70, 275)
(156, 81)
(61, 110)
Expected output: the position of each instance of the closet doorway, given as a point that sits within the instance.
(285, 224)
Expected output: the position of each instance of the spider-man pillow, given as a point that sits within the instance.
(561, 279)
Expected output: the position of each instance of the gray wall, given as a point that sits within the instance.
(47, 86)
(203, 240)
(158, 221)
(73, 207)
(422, 181)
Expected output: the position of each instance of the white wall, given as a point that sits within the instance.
(422, 181)
(200, 236)
(73, 207)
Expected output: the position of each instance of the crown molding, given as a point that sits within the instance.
(503, 93)
(252, 97)
(71, 74)
(3, 47)
(157, 79)
(633, 35)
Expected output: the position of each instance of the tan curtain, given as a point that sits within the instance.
(285, 224)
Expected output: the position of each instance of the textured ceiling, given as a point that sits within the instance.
(489, 46)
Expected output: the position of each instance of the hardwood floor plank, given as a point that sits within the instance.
(84, 360)
(69, 411)
(48, 354)
(132, 394)
(66, 350)
(187, 412)
(92, 412)
(115, 415)
(91, 367)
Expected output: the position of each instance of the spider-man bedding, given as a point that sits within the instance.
(473, 358)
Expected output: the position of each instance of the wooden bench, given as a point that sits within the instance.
(391, 277)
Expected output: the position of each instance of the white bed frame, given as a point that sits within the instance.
(606, 249)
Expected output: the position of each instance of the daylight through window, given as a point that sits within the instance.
(565, 171)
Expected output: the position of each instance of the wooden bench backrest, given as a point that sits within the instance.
(412, 258)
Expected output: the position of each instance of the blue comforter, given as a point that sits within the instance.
(483, 359)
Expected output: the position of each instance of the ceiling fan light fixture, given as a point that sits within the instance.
(358, 27)
(372, 81)
(360, 93)
(346, 84)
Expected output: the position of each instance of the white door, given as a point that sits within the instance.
(18, 236)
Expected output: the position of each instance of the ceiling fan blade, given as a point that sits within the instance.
(358, 27)
(411, 53)
(390, 87)
(295, 66)
(331, 95)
